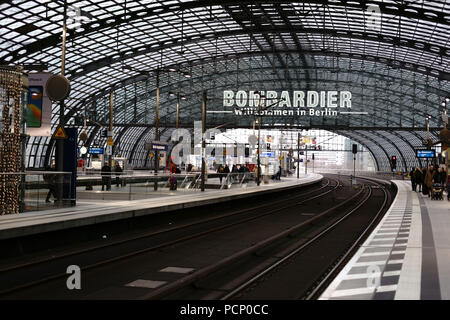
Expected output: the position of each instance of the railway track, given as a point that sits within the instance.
(62, 259)
(193, 282)
(120, 251)
(315, 290)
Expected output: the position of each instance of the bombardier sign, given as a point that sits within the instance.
(285, 103)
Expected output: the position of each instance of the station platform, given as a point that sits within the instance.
(101, 211)
(406, 257)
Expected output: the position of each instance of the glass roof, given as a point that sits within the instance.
(395, 63)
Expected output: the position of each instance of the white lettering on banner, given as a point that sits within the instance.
(285, 100)
(313, 99)
(296, 99)
(280, 103)
(241, 98)
(299, 97)
(228, 100)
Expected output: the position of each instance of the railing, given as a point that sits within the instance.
(34, 186)
(35, 191)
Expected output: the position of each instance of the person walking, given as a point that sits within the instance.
(441, 176)
(118, 170)
(106, 176)
(412, 175)
(419, 178)
(220, 172)
(429, 178)
(49, 178)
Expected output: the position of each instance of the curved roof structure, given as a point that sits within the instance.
(393, 55)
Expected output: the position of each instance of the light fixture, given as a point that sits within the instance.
(171, 94)
(183, 97)
(187, 75)
(172, 69)
(83, 150)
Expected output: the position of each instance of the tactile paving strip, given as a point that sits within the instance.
(374, 271)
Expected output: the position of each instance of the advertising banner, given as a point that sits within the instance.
(38, 112)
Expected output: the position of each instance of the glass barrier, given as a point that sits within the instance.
(36, 191)
(136, 186)
(39, 190)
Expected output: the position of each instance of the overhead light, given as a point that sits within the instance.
(187, 75)
(183, 97)
(447, 99)
(171, 94)
(172, 69)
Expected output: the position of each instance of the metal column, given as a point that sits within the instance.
(156, 130)
(203, 139)
(60, 142)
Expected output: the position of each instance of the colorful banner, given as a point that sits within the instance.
(34, 107)
(38, 113)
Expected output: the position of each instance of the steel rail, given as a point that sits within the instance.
(146, 235)
(338, 264)
(157, 247)
(296, 251)
(180, 283)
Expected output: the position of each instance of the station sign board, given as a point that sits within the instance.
(159, 146)
(268, 154)
(428, 154)
(96, 150)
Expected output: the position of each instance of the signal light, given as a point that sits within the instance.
(394, 162)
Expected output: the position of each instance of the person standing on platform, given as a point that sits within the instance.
(226, 169)
(412, 176)
(278, 176)
(441, 176)
(118, 170)
(49, 178)
(419, 178)
(220, 172)
(429, 178)
(106, 176)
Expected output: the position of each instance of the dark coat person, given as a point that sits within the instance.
(118, 170)
(419, 178)
(412, 175)
(440, 177)
(49, 178)
(106, 177)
